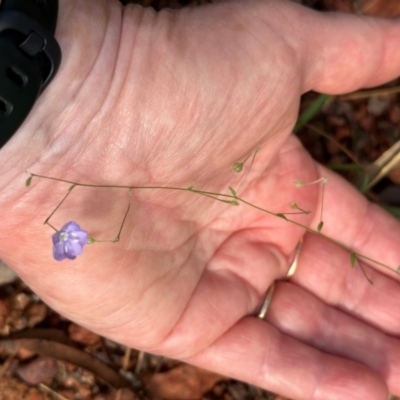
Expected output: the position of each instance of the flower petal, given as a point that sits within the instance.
(73, 249)
(71, 227)
(58, 251)
(81, 237)
(68, 242)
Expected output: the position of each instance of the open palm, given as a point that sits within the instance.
(174, 99)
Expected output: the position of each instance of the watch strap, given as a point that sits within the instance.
(44, 12)
(30, 57)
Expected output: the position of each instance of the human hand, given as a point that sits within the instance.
(175, 99)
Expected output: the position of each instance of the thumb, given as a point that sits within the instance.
(347, 52)
(333, 52)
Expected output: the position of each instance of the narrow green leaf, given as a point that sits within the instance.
(283, 216)
(190, 188)
(233, 191)
(230, 202)
(320, 225)
(91, 240)
(364, 184)
(353, 258)
(71, 187)
(28, 181)
(311, 111)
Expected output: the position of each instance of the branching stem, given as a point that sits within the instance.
(257, 149)
(46, 222)
(231, 199)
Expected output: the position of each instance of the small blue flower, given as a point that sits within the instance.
(68, 242)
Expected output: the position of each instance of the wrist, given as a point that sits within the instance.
(49, 128)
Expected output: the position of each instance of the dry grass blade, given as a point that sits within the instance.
(6, 364)
(127, 357)
(333, 140)
(107, 353)
(381, 8)
(386, 163)
(365, 94)
(54, 394)
(140, 362)
(68, 354)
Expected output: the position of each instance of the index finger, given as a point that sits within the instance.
(364, 227)
(326, 270)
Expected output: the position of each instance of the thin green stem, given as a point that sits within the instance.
(51, 226)
(227, 198)
(257, 149)
(296, 207)
(213, 196)
(329, 239)
(333, 140)
(365, 274)
(59, 204)
(301, 212)
(126, 214)
(117, 238)
(375, 262)
(244, 161)
(322, 205)
(202, 192)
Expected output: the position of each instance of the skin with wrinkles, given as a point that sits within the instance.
(175, 98)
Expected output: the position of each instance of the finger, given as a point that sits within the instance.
(325, 271)
(301, 315)
(256, 352)
(351, 219)
(337, 53)
(344, 52)
(236, 279)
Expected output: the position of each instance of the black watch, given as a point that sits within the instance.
(29, 58)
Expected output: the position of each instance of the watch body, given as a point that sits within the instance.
(29, 58)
